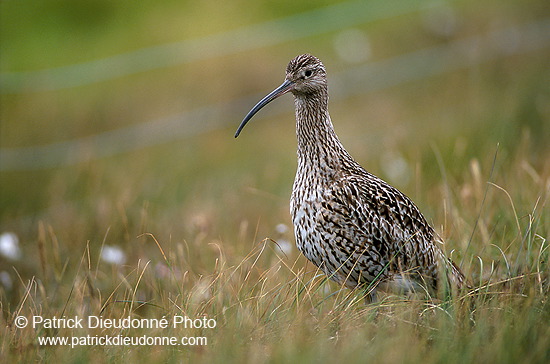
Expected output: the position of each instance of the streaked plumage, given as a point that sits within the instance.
(351, 224)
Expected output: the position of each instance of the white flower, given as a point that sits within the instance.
(113, 255)
(9, 246)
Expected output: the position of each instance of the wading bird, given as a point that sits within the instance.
(359, 230)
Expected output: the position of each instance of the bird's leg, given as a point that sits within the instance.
(370, 296)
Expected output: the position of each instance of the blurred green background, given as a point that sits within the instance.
(117, 117)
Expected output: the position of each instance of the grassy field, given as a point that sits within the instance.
(137, 201)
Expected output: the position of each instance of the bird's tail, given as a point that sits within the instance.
(449, 274)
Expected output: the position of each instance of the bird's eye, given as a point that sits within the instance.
(308, 73)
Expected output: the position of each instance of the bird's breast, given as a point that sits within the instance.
(305, 206)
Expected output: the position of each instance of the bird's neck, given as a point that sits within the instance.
(318, 144)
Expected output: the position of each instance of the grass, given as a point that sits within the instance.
(203, 222)
(270, 306)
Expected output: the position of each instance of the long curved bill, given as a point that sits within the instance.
(279, 91)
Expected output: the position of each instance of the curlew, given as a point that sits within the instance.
(355, 227)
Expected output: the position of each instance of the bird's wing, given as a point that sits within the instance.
(371, 215)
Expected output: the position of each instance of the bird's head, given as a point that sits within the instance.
(305, 76)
